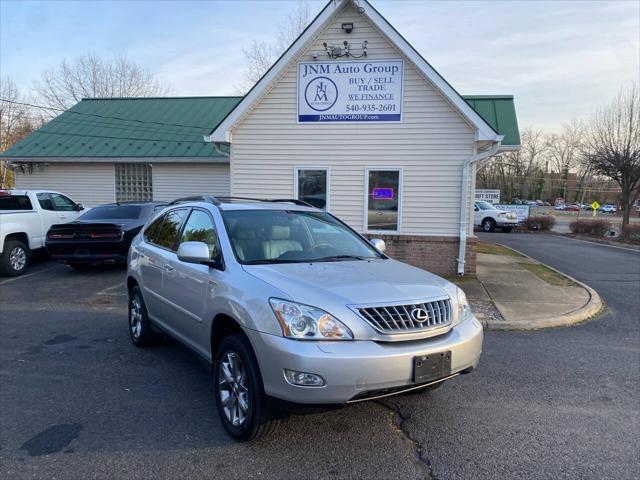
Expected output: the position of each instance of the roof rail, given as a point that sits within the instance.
(197, 198)
(295, 201)
(278, 200)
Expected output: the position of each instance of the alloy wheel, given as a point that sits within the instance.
(233, 388)
(17, 258)
(135, 317)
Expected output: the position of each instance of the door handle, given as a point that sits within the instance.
(168, 268)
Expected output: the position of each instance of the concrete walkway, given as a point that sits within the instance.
(517, 292)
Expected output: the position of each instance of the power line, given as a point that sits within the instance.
(199, 127)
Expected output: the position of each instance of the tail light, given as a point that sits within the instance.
(109, 235)
(59, 236)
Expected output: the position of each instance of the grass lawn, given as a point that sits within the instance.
(550, 276)
(493, 249)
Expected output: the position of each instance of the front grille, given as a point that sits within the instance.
(414, 317)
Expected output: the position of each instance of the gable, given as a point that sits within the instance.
(222, 133)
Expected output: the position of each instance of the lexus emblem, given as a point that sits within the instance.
(420, 315)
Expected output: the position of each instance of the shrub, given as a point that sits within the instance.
(595, 228)
(631, 232)
(542, 223)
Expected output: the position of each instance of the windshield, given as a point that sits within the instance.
(485, 206)
(287, 236)
(120, 212)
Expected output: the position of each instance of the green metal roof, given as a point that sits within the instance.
(498, 111)
(129, 127)
(174, 127)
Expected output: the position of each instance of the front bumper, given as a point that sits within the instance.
(504, 222)
(354, 368)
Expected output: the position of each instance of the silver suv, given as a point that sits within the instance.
(288, 303)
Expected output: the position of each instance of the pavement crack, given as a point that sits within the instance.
(401, 420)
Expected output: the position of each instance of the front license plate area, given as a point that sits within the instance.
(431, 367)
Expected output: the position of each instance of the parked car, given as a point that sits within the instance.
(573, 207)
(290, 305)
(608, 208)
(560, 206)
(100, 236)
(489, 217)
(516, 201)
(25, 217)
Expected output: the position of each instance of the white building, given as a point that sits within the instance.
(350, 118)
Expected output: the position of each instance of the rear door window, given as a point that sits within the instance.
(44, 199)
(167, 234)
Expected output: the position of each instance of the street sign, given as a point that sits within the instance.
(595, 205)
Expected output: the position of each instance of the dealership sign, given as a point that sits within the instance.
(491, 196)
(350, 91)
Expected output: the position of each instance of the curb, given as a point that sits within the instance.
(588, 311)
(597, 241)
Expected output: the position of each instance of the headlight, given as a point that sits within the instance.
(512, 216)
(304, 322)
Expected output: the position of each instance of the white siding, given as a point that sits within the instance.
(430, 144)
(171, 181)
(88, 183)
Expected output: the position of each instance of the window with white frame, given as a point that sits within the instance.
(312, 186)
(383, 200)
(133, 182)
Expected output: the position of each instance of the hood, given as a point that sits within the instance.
(350, 282)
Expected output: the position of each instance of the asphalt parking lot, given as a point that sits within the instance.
(78, 401)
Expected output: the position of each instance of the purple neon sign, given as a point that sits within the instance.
(382, 193)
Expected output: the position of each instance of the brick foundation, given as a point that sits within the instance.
(434, 254)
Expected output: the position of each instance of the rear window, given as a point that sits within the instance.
(122, 212)
(15, 202)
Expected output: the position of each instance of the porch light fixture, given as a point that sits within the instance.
(347, 27)
(345, 51)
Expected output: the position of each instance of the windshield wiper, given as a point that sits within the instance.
(272, 260)
(338, 257)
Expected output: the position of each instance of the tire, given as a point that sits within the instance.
(140, 330)
(15, 258)
(237, 381)
(506, 229)
(488, 225)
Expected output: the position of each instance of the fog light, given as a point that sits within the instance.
(303, 379)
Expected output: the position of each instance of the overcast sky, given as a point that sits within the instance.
(560, 59)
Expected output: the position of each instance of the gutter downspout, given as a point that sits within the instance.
(464, 194)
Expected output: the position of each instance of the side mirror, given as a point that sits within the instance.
(475, 209)
(378, 244)
(79, 207)
(193, 252)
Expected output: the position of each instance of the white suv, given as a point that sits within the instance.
(288, 303)
(489, 217)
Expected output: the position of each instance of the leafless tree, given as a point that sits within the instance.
(563, 155)
(16, 122)
(261, 55)
(612, 144)
(519, 173)
(92, 76)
